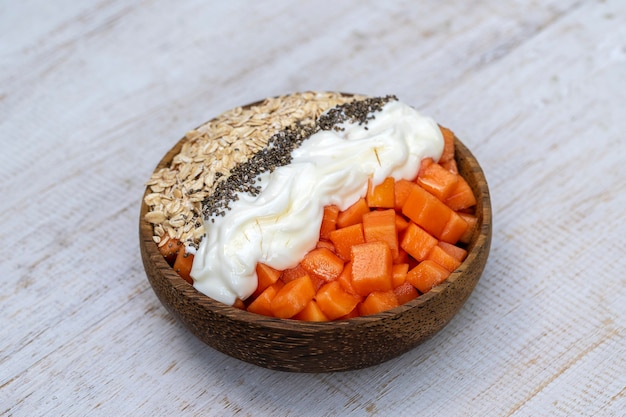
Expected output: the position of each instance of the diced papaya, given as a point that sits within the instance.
(371, 268)
(334, 301)
(454, 229)
(311, 312)
(290, 274)
(329, 221)
(381, 195)
(471, 221)
(441, 257)
(426, 211)
(402, 189)
(325, 244)
(266, 276)
(461, 196)
(402, 258)
(426, 275)
(405, 293)
(262, 304)
(354, 313)
(343, 239)
(401, 223)
(438, 181)
(317, 282)
(345, 279)
(398, 274)
(424, 164)
(378, 301)
(183, 263)
(323, 264)
(417, 242)
(456, 252)
(293, 297)
(170, 249)
(380, 226)
(450, 166)
(353, 214)
(448, 145)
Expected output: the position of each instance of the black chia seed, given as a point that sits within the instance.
(243, 176)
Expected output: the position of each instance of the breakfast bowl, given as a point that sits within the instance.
(302, 346)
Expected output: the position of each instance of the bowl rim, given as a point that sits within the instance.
(481, 237)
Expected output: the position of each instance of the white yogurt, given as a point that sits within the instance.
(282, 223)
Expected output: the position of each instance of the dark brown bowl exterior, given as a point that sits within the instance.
(296, 346)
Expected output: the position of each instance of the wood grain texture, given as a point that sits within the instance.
(92, 94)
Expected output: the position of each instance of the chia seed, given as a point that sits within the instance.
(243, 177)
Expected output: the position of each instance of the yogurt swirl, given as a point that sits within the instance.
(281, 223)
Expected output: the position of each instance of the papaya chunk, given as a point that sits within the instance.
(371, 268)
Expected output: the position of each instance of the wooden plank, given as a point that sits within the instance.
(93, 94)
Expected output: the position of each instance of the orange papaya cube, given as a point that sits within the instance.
(311, 312)
(441, 257)
(352, 314)
(402, 258)
(325, 244)
(381, 195)
(353, 214)
(401, 223)
(334, 301)
(426, 275)
(290, 274)
(293, 297)
(266, 276)
(461, 197)
(427, 211)
(323, 264)
(417, 242)
(183, 264)
(448, 145)
(438, 181)
(329, 221)
(405, 293)
(456, 252)
(371, 268)
(262, 304)
(450, 166)
(170, 249)
(378, 301)
(402, 189)
(471, 221)
(424, 163)
(343, 239)
(398, 274)
(317, 282)
(345, 279)
(380, 226)
(455, 228)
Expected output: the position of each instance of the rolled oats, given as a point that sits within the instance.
(212, 150)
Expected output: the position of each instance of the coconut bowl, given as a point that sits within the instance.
(297, 346)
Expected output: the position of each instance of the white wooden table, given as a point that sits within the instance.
(92, 94)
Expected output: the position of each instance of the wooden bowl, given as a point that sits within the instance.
(290, 345)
